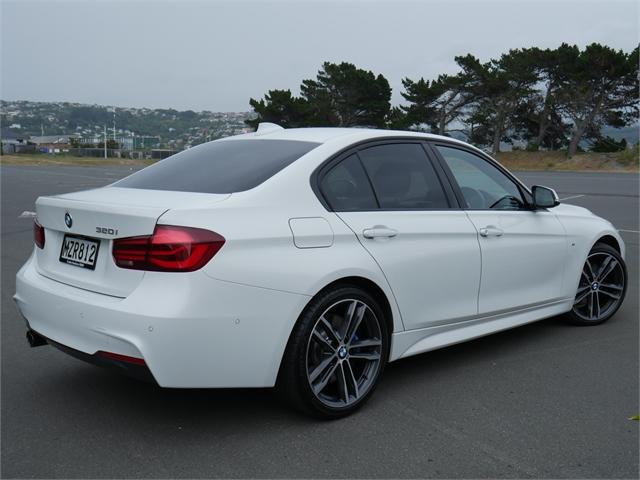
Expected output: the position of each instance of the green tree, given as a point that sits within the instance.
(501, 87)
(602, 89)
(340, 96)
(608, 144)
(398, 119)
(111, 144)
(281, 107)
(540, 119)
(345, 96)
(440, 102)
(551, 133)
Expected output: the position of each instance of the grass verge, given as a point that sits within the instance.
(626, 161)
(47, 159)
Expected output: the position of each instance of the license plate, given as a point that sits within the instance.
(79, 251)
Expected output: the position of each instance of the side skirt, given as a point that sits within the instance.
(413, 342)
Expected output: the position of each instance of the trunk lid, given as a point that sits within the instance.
(104, 215)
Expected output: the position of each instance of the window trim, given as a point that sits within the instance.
(366, 174)
(344, 158)
(320, 172)
(524, 191)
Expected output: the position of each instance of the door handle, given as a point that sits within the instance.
(491, 231)
(379, 231)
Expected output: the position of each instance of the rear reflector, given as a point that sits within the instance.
(122, 358)
(38, 233)
(169, 249)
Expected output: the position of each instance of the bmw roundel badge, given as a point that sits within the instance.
(68, 221)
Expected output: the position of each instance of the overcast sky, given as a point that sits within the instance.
(215, 55)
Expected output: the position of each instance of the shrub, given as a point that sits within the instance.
(608, 144)
(630, 156)
(532, 147)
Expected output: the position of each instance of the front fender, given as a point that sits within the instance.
(583, 230)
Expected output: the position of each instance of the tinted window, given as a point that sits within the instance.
(220, 167)
(346, 187)
(483, 185)
(403, 177)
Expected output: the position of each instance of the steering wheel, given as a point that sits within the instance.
(505, 197)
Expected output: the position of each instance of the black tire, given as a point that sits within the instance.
(294, 380)
(583, 312)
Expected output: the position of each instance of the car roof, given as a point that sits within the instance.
(328, 134)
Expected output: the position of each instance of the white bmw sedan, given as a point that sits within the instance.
(308, 258)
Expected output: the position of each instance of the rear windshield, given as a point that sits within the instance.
(219, 167)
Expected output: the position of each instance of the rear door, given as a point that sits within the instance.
(395, 201)
(523, 251)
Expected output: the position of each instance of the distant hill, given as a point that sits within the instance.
(631, 134)
(176, 129)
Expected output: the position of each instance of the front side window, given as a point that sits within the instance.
(403, 178)
(483, 186)
(219, 167)
(346, 187)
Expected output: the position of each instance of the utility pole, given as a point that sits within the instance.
(105, 140)
(114, 125)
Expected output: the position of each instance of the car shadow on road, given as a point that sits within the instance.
(105, 392)
(474, 352)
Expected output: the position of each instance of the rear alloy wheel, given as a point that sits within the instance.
(337, 353)
(602, 287)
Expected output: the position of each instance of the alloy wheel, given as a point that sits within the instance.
(601, 287)
(344, 353)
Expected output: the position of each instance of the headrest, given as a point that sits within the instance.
(392, 180)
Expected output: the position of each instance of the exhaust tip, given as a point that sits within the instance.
(35, 339)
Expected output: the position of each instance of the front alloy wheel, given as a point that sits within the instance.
(602, 286)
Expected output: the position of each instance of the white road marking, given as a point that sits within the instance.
(27, 214)
(628, 231)
(569, 198)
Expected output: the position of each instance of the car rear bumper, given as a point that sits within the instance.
(138, 370)
(192, 331)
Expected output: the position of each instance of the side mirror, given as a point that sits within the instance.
(544, 197)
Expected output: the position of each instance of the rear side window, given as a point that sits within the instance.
(346, 188)
(220, 167)
(403, 178)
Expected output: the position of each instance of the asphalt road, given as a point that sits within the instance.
(544, 400)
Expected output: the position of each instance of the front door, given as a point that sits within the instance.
(523, 250)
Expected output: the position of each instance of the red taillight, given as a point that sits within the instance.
(38, 233)
(169, 249)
